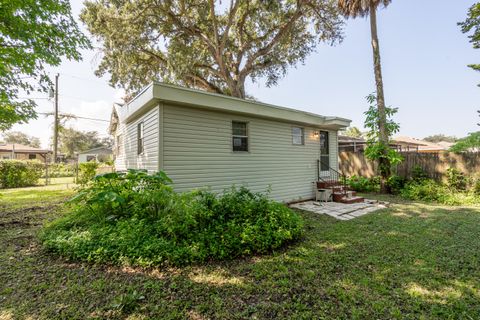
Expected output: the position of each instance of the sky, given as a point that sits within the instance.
(424, 61)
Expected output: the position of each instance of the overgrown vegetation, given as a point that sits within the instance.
(16, 173)
(60, 170)
(137, 219)
(86, 172)
(410, 261)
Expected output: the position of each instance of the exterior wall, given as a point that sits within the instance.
(197, 152)
(128, 157)
(20, 156)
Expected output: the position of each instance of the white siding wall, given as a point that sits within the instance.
(197, 152)
(128, 157)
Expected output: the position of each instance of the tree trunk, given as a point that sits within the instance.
(384, 162)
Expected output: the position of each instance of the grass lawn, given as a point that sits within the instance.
(411, 261)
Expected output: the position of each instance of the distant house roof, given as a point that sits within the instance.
(409, 140)
(20, 148)
(423, 145)
(99, 150)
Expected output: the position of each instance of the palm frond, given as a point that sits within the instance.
(359, 8)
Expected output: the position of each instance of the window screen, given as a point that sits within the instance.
(239, 136)
(298, 137)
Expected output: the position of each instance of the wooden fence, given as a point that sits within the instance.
(434, 164)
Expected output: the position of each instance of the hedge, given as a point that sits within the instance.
(17, 174)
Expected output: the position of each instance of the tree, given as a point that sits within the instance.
(211, 45)
(439, 138)
(469, 143)
(21, 138)
(376, 149)
(362, 8)
(72, 141)
(353, 132)
(473, 23)
(33, 34)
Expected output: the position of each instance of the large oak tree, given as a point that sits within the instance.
(33, 35)
(211, 45)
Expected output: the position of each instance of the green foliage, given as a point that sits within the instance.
(425, 190)
(473, 23)
(362, 184)
(33, 34)
(137, 218)
(353, 132)
(21, 138)
(128, 302)
(58, 170)
(71, 141)
(471, 142)
(456, 180)
(377, 150)
(86, 172)
(396, 183)
(16, 173)
(207, 44)
(439, 138)
(418, 174)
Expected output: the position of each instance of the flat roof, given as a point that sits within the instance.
(158, 92)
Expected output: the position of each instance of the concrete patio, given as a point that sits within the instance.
(341, 211)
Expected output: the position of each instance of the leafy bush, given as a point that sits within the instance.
(136, 218)
(430, 191)
(396, 183)
(456, 180)
(418, 174)
(17, 174)
(86, 172)
(58, 170)
(425, 190)
(362, 184)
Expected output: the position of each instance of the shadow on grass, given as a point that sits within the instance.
(409, 261)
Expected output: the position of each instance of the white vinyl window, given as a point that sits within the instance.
(239, 136)
(140, 138)
(298, 136)
(119, 144)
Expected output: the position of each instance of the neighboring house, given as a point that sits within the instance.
(202, 139)
(101, 154)
(401, 144)
(21, 152)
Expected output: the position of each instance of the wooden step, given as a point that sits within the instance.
(351, 200)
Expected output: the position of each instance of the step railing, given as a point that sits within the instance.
(334, 177)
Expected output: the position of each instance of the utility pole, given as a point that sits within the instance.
(55, 123)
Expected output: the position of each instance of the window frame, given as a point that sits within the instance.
(246, 123)
(32, 156)
(119, 142)
(301, 135)
(140, 138)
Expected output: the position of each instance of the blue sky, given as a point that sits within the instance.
(424, 59)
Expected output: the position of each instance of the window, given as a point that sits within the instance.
(324, 151)
(140, 138)
(298, 137)
(239, 136)
(32, 156)
(119, 144)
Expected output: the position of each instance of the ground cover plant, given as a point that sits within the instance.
(137, 219)
(410, 261)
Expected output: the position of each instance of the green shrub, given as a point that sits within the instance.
(456, 180)
(59, 170)
(86, 172)
(17, 174)
(362, 184)
(425, 190)
(138, 219)
(396, 184)
(418, 174)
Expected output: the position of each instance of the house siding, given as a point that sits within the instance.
(197, 153)
(128, 157)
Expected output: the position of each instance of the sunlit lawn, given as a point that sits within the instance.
(409, 261)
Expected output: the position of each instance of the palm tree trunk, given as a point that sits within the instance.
(384, 163)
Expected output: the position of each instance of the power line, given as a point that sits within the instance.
(74, 116)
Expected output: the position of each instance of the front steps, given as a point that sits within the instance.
(340, 193)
